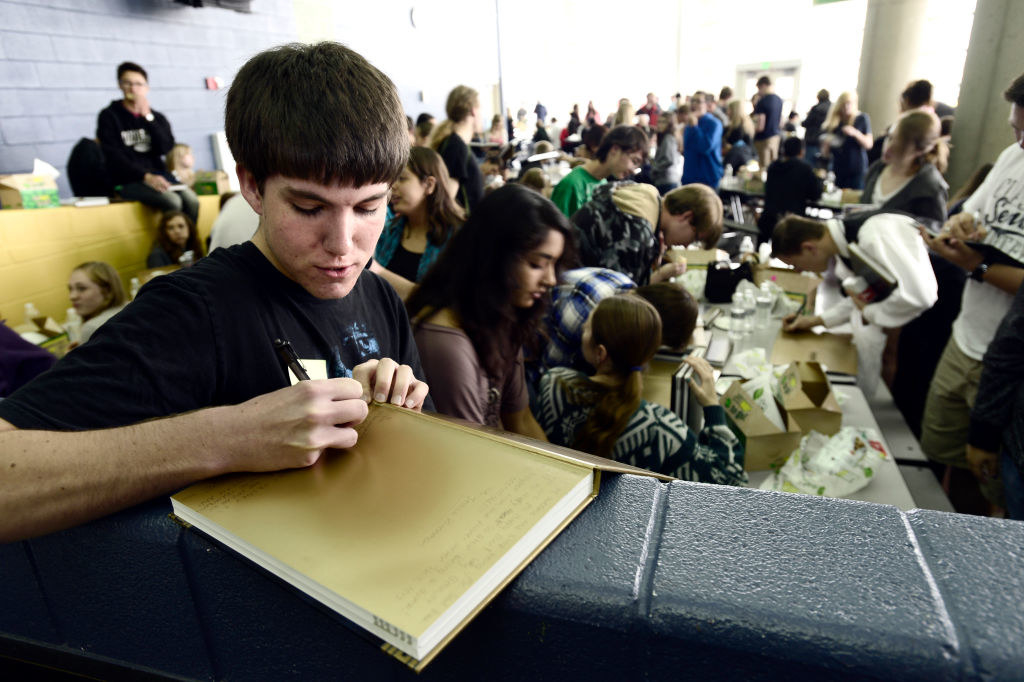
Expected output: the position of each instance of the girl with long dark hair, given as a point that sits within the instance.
(175, 235)
(483, 299)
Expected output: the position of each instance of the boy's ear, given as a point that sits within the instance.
(809, 247)
(600, 353)
(249, 188)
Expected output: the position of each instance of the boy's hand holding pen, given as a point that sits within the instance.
(798, 322)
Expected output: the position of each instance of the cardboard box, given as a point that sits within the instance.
(24, 190)
(211, 182)
(695, 258)
(808, 398)
(835, 352)
(765, 445)
(46, 326)
(799, 287)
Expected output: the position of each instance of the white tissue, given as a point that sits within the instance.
(40, 167)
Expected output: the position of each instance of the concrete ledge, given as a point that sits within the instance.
(977, 567)
(653, 581)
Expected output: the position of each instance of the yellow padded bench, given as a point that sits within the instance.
(39, 247)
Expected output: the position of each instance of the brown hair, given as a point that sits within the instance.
(444, 215)
(1015, 93)
(706, 207)
(792, 231)
(106, 278)
(172, 249)
(917, 94)
(677, 308)
(627, 138)
(461, 101)
(922, 130)
(630, 329)
(316, 112)
(535, 179)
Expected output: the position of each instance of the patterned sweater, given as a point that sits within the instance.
(654, 438)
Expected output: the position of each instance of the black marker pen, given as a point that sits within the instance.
(290, 359)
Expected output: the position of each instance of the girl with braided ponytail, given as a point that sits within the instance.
(604, 413)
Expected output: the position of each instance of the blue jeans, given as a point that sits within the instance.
(1013, 487)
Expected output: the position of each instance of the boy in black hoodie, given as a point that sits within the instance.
(134, 138)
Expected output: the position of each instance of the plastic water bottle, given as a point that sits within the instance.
(737, 315)
(746, 246)
(135, 286)
(749, 306)
(73, 325)
(764, 300)
(31, 313)
(830, 182)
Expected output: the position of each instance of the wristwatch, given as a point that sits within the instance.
(149, 117)
(978, 274)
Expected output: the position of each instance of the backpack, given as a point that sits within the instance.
(87, 170)
(611, 238)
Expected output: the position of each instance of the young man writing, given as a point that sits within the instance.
(891, 239)
(627, 227)
(993, 215)
(186, 382)
(621, 152)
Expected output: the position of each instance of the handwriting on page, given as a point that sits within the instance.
(243, 488)
(498, 516)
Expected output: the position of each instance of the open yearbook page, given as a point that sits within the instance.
(409, 533)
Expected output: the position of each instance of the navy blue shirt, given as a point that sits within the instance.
(771, 106)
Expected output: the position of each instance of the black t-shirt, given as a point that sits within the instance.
(463, 167)
(203, 336)
(405, 263)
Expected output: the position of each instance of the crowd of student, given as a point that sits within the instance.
(951, 291)
(521, 312)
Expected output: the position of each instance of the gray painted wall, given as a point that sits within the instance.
(58, 63)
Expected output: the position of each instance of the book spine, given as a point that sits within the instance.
(393, 631)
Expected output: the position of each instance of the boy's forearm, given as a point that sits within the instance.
(54, 480)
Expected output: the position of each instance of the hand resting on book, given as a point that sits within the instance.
(387, 381)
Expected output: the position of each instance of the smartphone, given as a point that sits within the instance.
(718, 350)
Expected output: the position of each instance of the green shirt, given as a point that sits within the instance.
(574, 190)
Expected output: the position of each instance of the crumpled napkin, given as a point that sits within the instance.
(830, 466)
